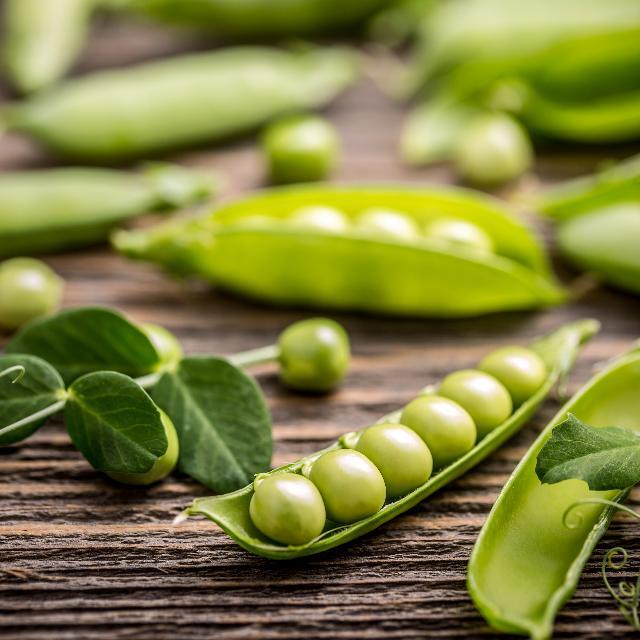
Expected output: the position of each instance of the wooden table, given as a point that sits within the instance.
(83, 558)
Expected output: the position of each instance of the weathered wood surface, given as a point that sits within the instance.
(83, 558)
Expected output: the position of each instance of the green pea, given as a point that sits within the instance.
(402, 457)
(287, 508)
(492, 150)
(165, 343)
(350, 484)
(444, 425)
(28, 289)
(321, 218)
(461, 233)
(162, 467)
(300, 149)
(314, 354)
(387, 222)
(520, 370)
(481, 395)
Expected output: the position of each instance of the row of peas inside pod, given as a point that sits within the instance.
(390, 459)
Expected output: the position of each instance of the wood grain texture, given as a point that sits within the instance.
(82, 558)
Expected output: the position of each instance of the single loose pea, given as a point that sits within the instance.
(351, 486)
(164, 342)
(163, 466)
(321, 218)
(460, 233)
(444, 425)
(389, 223)
(300, 149)
(28, 289)
(485, 399)
(492, 150)
(402, 457)
(287, 508)
(314, 354)
(520, 370)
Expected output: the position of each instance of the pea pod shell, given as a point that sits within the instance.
(53, 209)
(526, 562)
(181, 101)
(42, 39)
(357, 270)
(231, 511)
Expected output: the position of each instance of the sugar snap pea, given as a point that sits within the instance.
(54, 209)
(232, 511)
(526, 563)
(357, 268)
(259, 18)
(188, 100)
(42, 39)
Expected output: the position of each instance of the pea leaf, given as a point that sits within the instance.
(223, 423)
(605, 458)
(86, 339)
(23, 398)
(114, 423)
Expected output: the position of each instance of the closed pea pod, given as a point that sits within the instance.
(55, 209)
(526, 562)
(42, 39)
(352, 268)
(182, 101)
(232, 511)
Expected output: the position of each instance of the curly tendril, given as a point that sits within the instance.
(18, 369)
(627, 594)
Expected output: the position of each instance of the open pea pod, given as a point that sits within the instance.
(526, 562)
(231, 511)
(253, 247)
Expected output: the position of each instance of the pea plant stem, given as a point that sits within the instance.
(254, 357)
(34, 417)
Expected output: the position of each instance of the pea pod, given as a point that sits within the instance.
(257, 18)
(42, 39)
(356, 269)
(526, 562)
(231, 511)
(189, 100)
(53, 209)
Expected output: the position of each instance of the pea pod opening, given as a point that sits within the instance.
(188, 100)
(231, 511)
(526, 562)
(289, 264)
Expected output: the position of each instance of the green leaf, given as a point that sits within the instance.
(223, 423)
(24, 397)
(86, 339)
(606, 458)
(114, 423)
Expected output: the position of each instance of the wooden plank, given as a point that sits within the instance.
(81, 557)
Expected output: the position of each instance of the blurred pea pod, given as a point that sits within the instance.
(599, 223)
(42, 39)
(258, 19)
(53, 209)
(189, 100)
(391, 250)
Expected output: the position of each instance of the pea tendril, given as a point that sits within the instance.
(18, 369)
(627, 594)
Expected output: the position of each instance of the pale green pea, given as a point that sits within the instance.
(287, 508)
(485, 399)
(492, 150)
(351, 486)
(162, 467)
(520, 370)
(320, 218)
(164, 342)
(300, 149)
(460, 233)
(444, 425)
(28, 289)
(402, 457)
(387, 222)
